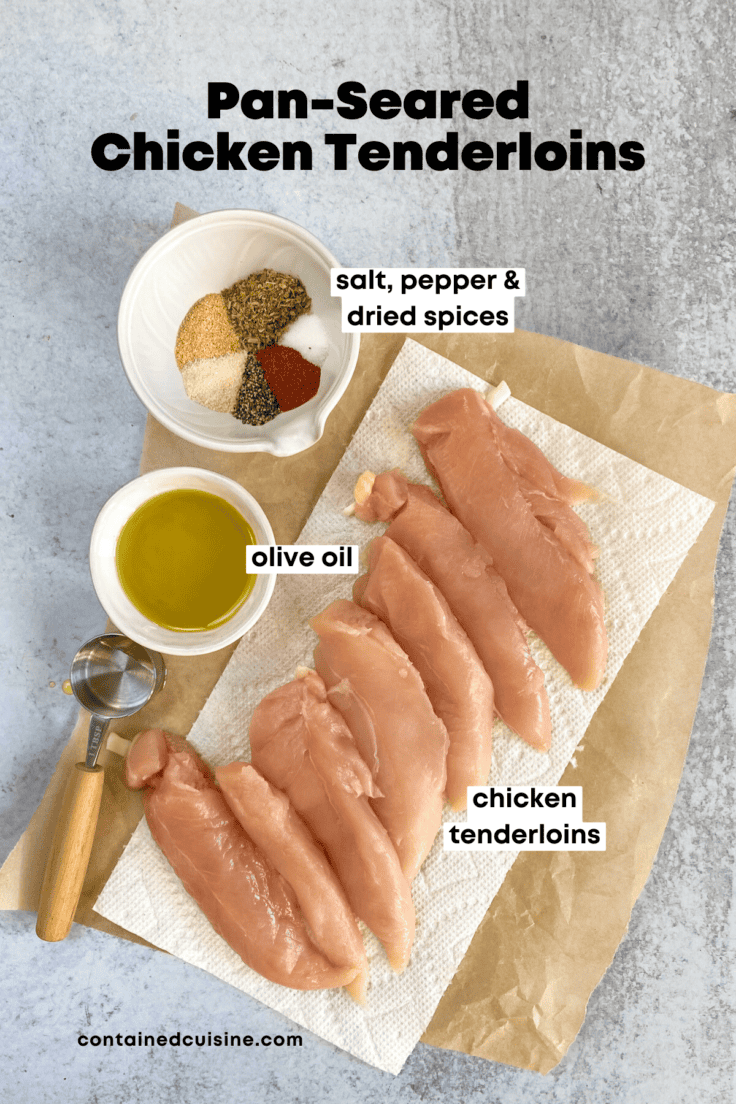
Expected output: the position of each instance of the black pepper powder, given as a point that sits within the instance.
(256, 403)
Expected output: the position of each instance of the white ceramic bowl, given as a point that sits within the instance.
(205, 255)
(115, 602)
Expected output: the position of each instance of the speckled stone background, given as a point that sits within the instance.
(640, 265)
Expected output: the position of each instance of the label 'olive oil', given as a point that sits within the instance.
(181, 560)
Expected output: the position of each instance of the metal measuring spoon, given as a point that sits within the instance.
(111, 676)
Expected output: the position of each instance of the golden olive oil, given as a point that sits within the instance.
(181, 560)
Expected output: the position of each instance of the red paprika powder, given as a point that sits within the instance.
(292, 379)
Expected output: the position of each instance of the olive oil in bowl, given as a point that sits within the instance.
(180, 559)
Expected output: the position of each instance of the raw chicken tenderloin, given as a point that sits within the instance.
(379, 692)
(567, 526)
(303, 747)
(529, 462)
(477, 595)
(557, 597)
(457, 683)
(272, 823)
(549, 493)
(244, 898)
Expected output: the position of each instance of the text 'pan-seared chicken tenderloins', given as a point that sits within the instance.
(245, 899)
(273, 824)
(463, 571)
(462, 440)
(456, 681)
(301, 744)
(374, 684)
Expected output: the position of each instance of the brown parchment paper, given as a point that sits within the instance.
(520, 994)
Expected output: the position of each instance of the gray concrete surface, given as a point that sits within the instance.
(639, 265)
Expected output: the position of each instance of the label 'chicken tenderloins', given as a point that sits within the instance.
(301, 744)
(273, 824)
(457, 684)
(497, 497)
(379, 692)
(463, 571)
(245, 899)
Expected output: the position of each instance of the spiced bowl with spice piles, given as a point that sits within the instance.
(229, 335)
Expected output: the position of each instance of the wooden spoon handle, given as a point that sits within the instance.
(67, 863)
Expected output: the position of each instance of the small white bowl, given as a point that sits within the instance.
(208, 254)
(115, 602)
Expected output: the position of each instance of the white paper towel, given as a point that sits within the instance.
(644, 528)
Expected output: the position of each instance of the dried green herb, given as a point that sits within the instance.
(261, 306)
(256, 403)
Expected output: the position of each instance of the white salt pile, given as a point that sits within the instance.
(309, 337)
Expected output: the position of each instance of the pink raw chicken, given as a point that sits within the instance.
(570, 529)
(457, 684)
(462, 446)
(463, 571)
(244, 898)
(303, 746)
(379, 692)
(270, 820)
(530, 464)
(549, 493)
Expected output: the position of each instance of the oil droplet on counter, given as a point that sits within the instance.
(52, 685)
(66, 686)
